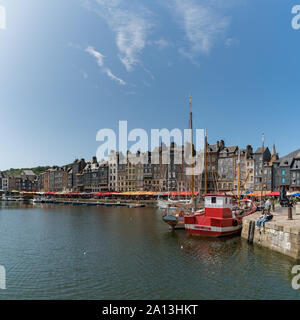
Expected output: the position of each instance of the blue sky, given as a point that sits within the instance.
(70, 68)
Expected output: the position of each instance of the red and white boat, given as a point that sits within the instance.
(220, 217)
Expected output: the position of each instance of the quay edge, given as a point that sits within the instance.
(280, 234)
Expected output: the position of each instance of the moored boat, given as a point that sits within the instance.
(220, 217)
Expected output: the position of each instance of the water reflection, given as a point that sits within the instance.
(66, 252)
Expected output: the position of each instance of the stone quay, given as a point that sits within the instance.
(280, 234)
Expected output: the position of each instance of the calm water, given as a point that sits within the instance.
(60, 252)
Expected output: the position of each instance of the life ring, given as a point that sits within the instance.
(181, 213)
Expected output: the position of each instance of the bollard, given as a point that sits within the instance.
(290, 213)
(251, 231)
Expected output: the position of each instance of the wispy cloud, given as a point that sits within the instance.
(100, 61)
(97, 55)
(131, 24)
(202, 23)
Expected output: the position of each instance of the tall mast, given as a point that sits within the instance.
(192, 149)
(239, 177)
(205, 163)
(262, 166)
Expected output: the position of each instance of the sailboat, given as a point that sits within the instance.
(175, 210)
(222, 216)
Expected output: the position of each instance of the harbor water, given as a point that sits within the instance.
(66, 252)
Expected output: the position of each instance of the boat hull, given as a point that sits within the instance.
(174, 222)
(210, 231)
(201, 225)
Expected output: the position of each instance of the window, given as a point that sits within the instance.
(213, 200)
(283, 180)
(283, 172)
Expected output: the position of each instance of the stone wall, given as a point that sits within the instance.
(280, 235)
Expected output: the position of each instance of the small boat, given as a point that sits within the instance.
(77, 203)
(90, 204)
(37, 200)
(108, 204)
(171, 204)
(135, 205)
(175, 221)
(220, 218)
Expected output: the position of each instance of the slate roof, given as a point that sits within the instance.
(287, 161)
(28, 173)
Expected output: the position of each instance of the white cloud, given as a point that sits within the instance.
(100, 61)
(113, 77)
(131, 26)
(2, 17)
(99, 57)
(202, 23)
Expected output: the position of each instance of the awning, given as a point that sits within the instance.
(274, 194)
(174, 194)
(258, 194)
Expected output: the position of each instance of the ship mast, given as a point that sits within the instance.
(205, 163)
(239, 178)
(262, 168)
(192, 153)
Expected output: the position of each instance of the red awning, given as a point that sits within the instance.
(273, 194)
(180, 194)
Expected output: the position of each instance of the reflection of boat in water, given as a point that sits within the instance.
(220, 217)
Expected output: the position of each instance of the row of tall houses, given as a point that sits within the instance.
(164, 169)
(26, 181)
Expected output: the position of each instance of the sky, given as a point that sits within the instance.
(71, 68)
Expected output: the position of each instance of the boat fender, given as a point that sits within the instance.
(234, 223)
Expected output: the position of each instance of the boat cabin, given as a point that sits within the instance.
(218, 206)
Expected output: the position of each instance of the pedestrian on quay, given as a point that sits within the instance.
(267, 207)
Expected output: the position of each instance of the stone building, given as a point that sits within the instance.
(58, 179)
(287, 172)
(95, 176)
(227, 167)
(246, 169)
(113, 161)
(77, 168)
(268, 167)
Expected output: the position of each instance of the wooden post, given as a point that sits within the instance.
(290, 213)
